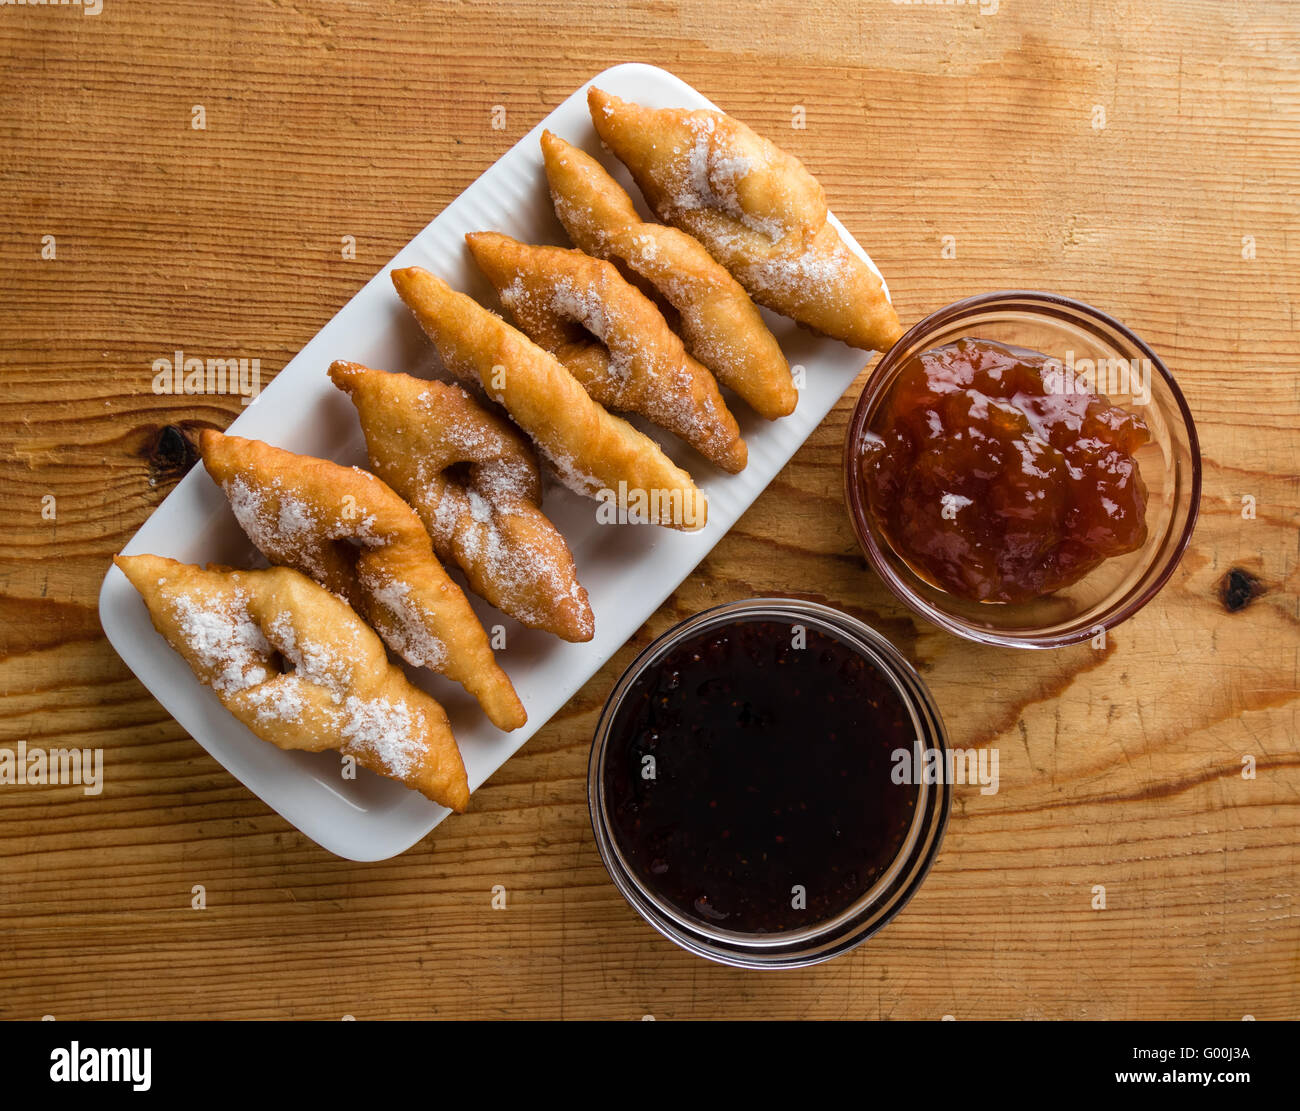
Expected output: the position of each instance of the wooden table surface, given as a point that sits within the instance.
(1138, 154)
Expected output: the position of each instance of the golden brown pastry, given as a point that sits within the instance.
(612, 339)
(719, 325)
(473, 479)
(350, 532)
(301, 670)
(592, 451)
(756, 209)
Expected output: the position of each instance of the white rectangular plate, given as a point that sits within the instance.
(628, 570)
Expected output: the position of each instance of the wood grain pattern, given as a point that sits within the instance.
(1120, 768)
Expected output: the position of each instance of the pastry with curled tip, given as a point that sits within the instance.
(612, 339)
(758, 211)
(350, 532)
(297, 666)
(473, 479)
(593, 452)
(718, 323)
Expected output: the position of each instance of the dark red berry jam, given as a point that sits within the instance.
(747, 776)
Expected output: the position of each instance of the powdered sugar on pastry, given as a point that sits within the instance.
(797, 273)
(408, 631)
(380, 728)
(581, 305)
(314, 659)
(757, 210)
(475, 483)
(356, 537)
(570, 474)
(523, 570)
(278, 701)
(342, 692)
(634, 363)
(227, 642)
(385, 730)
(709, 178)
(275, 521)
(718, 323)
(545, 397)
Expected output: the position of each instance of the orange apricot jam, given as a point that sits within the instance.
(996, 484)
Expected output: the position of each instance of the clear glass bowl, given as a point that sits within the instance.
(852, 926)
(1170, 465)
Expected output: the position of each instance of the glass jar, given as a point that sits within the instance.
(888, 892)
(1170, 465)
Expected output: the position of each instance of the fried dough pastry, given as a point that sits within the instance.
(337, 691)
(758, 211)
(351, 533)
(473, 479)
(562, 298)
(719, 325)
(593, 452)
